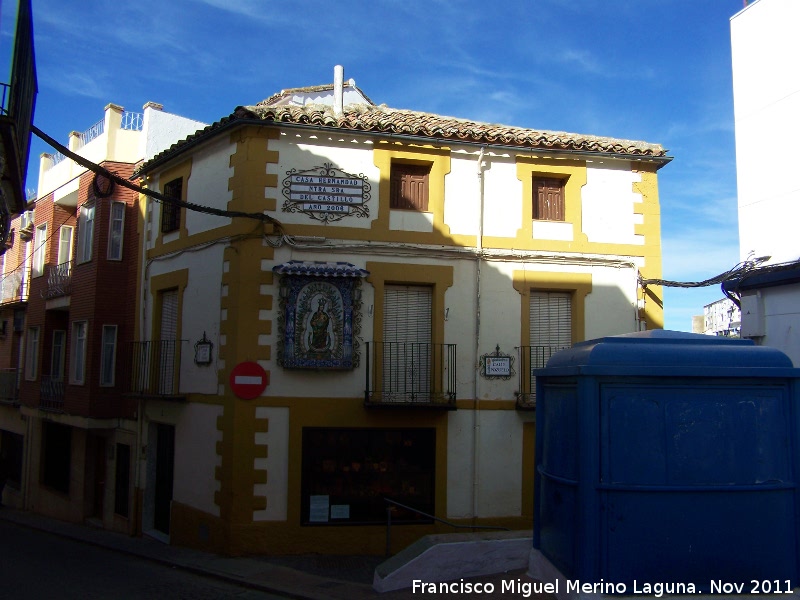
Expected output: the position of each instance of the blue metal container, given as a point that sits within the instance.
(668, 457)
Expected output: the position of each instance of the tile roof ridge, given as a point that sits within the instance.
(310, 89)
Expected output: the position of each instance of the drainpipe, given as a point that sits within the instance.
(476, 417)
(338, 90)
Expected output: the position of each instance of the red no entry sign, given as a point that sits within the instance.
(248, 380)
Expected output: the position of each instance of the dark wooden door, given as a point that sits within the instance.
(165, 462)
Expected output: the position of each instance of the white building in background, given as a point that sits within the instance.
(766, 90)
(721, 318)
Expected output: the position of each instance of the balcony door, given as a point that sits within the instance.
(406, 351)
(169, 334)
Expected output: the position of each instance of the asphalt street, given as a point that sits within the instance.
(35, 564)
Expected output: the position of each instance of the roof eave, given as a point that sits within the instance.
(242, 116)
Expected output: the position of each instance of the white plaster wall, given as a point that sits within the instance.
(56, 175)
(208, 185)
(460, 461)
(766, 92)
(301, 150)
(201, 312)
(500, 463)
(502, 197)
(325, 97)
(161, 130)
(276, 464)
(782, 319)
(499, 474)
(196, 459)
(411, 220)
(121, 146)
(552, 230)
(462, 194)
(125, 146)
(608, 202)
(611, 306)
(500, 325)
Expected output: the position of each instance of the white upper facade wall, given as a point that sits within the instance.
(765, 50)
(118, 141)
(161, 130)
(608, 199)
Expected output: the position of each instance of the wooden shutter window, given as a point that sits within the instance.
(548, 199)
(171, 213)
(551, 319)
(409, 187)
(169, 315)
(407, 314)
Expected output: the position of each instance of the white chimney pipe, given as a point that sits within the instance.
(338, 91)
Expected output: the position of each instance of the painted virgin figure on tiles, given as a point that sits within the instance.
(319, 321)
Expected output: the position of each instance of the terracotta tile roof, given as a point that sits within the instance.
(369, 118)
(382, 119)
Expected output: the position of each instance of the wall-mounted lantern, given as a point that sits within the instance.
(203, 351)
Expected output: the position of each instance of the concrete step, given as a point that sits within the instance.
(452, 556)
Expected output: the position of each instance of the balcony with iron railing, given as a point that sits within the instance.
(530, 359)
(130, 121)
(154, 368)
(51, 393)
(14, 288)
(59, 280)
(402, 374)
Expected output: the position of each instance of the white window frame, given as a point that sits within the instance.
(85, 233)
(115, 247)
(58, 354)
(40, 246)
(108, 354)
(77, 354)
(65, 254)
(31, 353)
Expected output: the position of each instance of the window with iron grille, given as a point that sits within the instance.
(409, 187)
(171, 212)
(548, 199)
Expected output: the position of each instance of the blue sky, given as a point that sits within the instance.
(634, 69)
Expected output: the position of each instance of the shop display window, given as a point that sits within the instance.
(347, 473)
